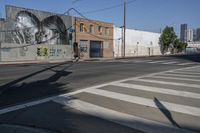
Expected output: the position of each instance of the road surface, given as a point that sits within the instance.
(157, 94)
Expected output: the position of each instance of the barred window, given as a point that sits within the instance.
(81, 27)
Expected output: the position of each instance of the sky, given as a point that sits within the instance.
(147, 15)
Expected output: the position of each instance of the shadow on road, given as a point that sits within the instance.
(58, 118)
(14, 91)
(166, 112)
(192, 57)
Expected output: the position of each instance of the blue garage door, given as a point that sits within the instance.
(95, 49)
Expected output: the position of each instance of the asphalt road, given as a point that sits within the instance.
(22, 83)
(158, 90)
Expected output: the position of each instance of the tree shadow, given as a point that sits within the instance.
(166, 112)
(2, 88)
(12, 92)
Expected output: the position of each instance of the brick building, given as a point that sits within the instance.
(94, 38)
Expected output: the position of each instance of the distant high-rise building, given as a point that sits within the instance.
(190, 35)
(198, 34)
(183, 33)
(194, 35)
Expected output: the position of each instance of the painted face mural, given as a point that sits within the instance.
(29, 30)
(53, 30)
(26, 28)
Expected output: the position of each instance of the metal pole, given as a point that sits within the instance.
(122, 44)
(75, 30)
(0, 51)
(124, 52)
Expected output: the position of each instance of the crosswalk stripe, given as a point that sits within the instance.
(185, 72)
(176, 78)
(172, 62)
(147, 102)
(121, 118)
(167, 82)
(188, 63)
(159, 90)
(157, 61)
(141, 61)
(193, 69)
(182, 75)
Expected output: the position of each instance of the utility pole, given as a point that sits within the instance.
(75, 30)
(124, 54)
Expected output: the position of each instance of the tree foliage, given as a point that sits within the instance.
(168, 39)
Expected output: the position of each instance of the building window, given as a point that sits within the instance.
(100, 29)
(107, 31)
(91, 29)
(81, 27)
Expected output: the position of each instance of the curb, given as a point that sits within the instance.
(32, 62)
(85, 60)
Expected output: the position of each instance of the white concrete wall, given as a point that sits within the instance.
(23, 52)
(194, 44)
(193, 48)
(138, 43)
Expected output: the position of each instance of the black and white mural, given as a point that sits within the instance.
(30, 30)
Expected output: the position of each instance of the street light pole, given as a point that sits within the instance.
(124, 54)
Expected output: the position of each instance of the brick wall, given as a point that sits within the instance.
(106, 37)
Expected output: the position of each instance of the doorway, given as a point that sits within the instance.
(96, 50)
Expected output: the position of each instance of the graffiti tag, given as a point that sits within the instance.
(55, 52)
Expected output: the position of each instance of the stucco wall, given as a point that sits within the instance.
(138, 43)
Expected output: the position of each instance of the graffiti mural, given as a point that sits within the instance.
(42, 51)
(29, 29)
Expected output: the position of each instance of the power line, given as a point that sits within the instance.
(84, 17)
(109, 8)
(91, 21)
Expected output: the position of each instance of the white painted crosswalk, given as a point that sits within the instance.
(159, 90)
(172, 62)
(173, 107)
(176, 78)
(147, 102)
(134, 120)
(171, 83)
(182, 75)
(159, 61)
(121, 118)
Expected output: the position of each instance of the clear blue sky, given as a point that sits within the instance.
(148, 15)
